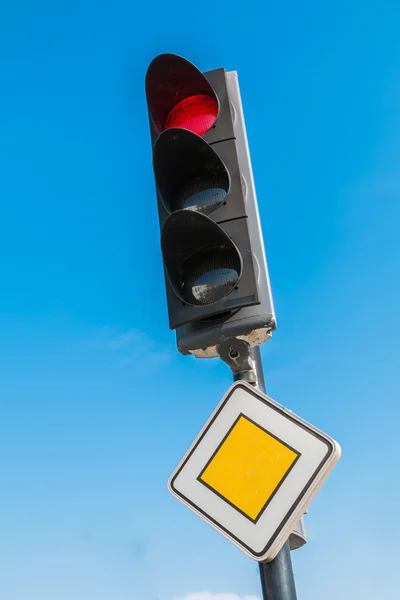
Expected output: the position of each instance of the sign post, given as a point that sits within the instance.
(277, 577)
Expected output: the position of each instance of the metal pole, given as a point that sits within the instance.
(277, 578)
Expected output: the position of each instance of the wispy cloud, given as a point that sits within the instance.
(208, 596)
(132, 348)
(378, 184)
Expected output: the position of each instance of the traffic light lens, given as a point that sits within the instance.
(210, 275)
(205, 201)
(196, 113)
(203, 193)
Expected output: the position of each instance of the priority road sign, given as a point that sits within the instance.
(253, 470)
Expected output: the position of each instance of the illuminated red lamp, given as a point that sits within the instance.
(196, 113)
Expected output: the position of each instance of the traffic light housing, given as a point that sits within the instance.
(216, 276)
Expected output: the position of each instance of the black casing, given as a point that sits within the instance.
(231, 217)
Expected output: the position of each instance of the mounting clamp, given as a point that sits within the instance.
(236, 354)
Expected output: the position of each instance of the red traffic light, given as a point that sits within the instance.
(179, 95)
(196, 113)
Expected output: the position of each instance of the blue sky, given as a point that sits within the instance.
(97, 407)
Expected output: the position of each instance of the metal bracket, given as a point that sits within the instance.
(298, 537)
(236, 354)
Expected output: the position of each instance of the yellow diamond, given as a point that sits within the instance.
(248, 467)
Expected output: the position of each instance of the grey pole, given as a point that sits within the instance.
(277, 578)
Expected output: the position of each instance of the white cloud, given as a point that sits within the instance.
(132, 348)
(208, 596)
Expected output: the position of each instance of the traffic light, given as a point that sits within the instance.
(216, 275)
